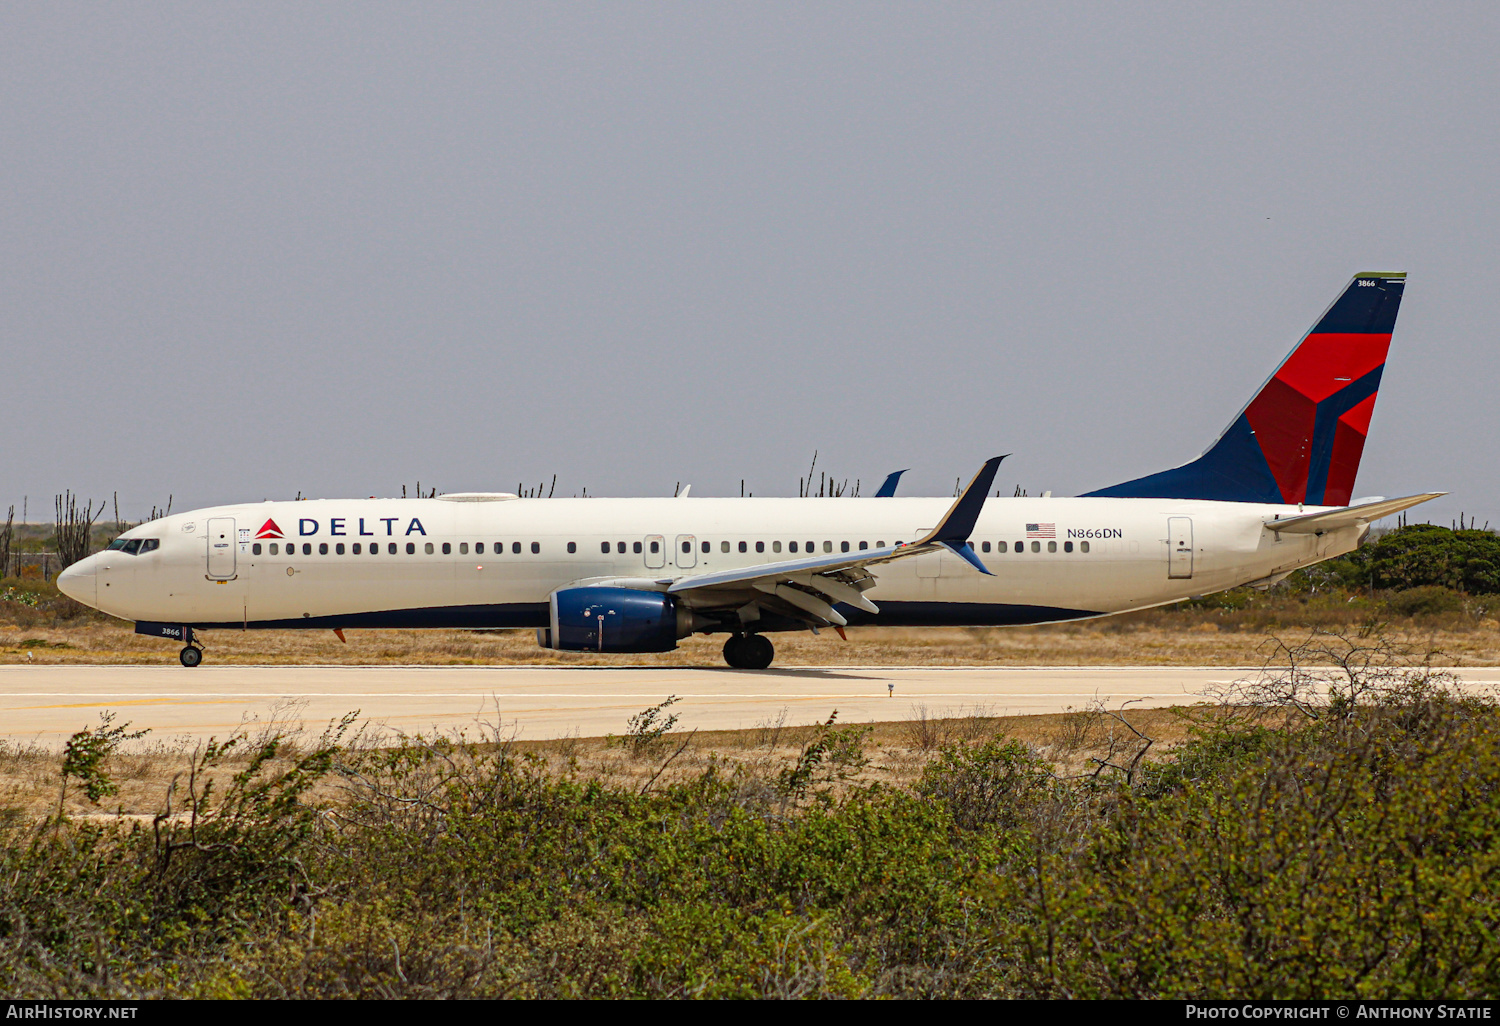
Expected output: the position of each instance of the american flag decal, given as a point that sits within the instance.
(1041, 530)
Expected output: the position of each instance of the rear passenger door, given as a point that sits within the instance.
(1180, 547)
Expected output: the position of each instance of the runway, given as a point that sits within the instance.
(45, 704)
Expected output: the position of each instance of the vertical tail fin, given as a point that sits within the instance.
(1300, 438)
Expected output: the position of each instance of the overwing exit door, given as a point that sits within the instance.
(656, 551)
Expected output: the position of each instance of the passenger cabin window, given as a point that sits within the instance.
(1067, 546)
(307, 548)
(760, 546)
(637, 547)
(999, 546)
(1083, 546)
(515, 548)
(604, 547)
(724, 546)
(536, 547)
(255, 549)
(447, 549)
(828, 546)
(479, 548)
(655, 547)
(1052, 546)
(356, 549)
(427, 548)
(984, 546)
(791, 546)
(1020, 546)
(391, 548)
(776, 546)
(1036, 546)
(572, 548)
(322, 548)
(463, 548)
(411, 548)
(274, 549)
(339, 548)
(863, 546)
(708, 547)
(843, 546)
(620, 547)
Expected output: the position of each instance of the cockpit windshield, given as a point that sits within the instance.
(135, 546)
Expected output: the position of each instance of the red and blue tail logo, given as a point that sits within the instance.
(1299, 440)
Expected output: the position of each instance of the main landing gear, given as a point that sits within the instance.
(749, 651)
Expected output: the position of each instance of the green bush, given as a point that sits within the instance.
(1420, 555)
(1348, 856)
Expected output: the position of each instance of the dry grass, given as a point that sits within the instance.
(1127, 640)
(896, 751)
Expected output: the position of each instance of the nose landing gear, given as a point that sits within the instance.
(192, 652)
(749, 651)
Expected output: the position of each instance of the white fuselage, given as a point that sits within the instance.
(217, 567)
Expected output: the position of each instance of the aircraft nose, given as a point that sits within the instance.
(78, 581)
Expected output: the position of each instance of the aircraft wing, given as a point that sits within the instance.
(1349, 516)
(813, 585)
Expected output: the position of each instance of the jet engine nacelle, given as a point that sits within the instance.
(604, 619)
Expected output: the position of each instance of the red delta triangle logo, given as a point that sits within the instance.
(269, 530)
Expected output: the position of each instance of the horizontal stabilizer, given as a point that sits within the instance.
(1349, 516)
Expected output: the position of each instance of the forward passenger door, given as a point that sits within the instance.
(221, 559)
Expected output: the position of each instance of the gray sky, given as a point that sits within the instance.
(255, 249)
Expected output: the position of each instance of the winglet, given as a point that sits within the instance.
(888, 490)
(953, 533)
(966, 553)
(964, 513)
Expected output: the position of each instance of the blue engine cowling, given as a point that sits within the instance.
(611, 620)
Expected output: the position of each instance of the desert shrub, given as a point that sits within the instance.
(990, 783)
(1304, 847)
(1425, 600)
(1316, 865)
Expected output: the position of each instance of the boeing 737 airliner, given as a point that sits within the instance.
(1272, 494)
